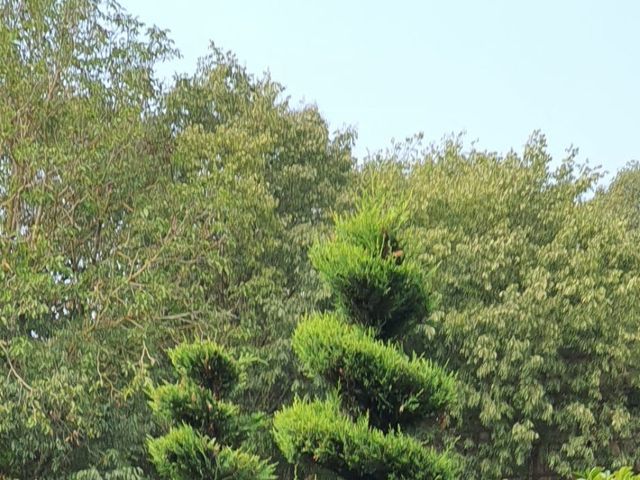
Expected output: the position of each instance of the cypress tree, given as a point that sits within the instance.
(205, 438)
(375, 391)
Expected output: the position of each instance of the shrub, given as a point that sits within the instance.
(365, 269)
(185, 454)
(373, 376)
(322, 433)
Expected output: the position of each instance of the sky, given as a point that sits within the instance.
(495, 69)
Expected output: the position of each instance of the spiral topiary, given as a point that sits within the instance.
(374, 389)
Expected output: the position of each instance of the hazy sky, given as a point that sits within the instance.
(495, 69)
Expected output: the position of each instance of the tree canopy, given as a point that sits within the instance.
(138, 215)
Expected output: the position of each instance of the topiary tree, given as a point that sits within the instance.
(205, 437)
(375, 390)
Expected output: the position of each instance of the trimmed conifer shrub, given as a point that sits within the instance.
(375, 391)
(205, 437)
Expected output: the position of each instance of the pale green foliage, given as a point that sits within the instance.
(622, 197)
(624, 473)
(539, 308)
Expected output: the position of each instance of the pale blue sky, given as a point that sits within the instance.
(496, 69)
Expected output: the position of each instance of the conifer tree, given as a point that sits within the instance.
(205, 437)
(375, 391)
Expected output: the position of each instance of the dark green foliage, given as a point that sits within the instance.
(319, 432)
(184, 454)
(197, 446)
(372, 376)
(206, 364)
(364, 267)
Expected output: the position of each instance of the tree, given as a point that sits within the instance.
(539, 306)
(252, 180)
(622, 196)
(76, 83)
(132, 214)
(375, 390)
(204, 426)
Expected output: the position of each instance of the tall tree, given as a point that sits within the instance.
(76, 84)
(131, 216)
(539, 306)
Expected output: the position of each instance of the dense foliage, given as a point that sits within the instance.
(132, 215)
(538, 311)
(624, 473)
(203, 427)
(135, 215)
(376, 390)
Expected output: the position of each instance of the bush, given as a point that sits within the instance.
(206, 364)
(321, 432)
(193, 405)
(365, 269)
(184, 454)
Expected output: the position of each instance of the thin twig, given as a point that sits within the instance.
(13, 370)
